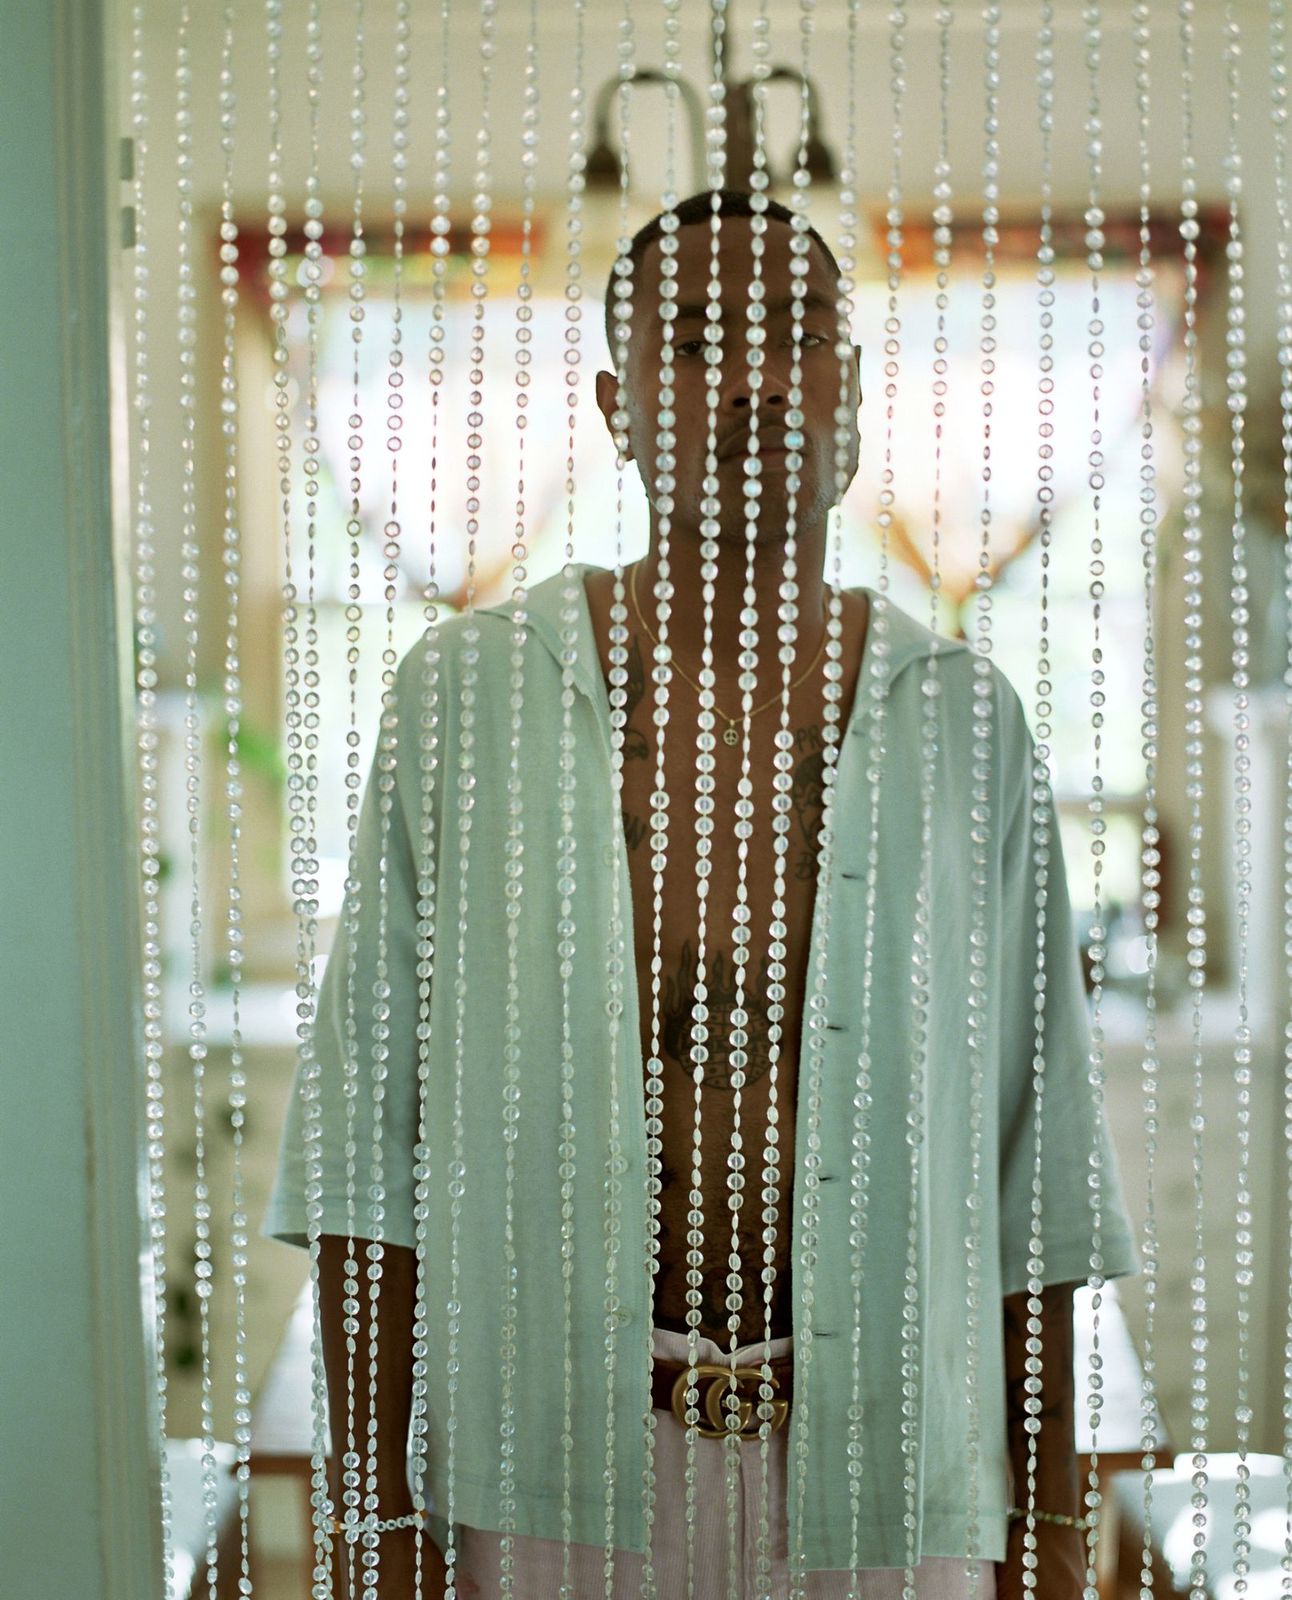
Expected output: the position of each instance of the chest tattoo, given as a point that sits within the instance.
(807, 794)
(637, 746)
(719, 1036)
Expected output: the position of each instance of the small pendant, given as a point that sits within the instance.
(730, 736)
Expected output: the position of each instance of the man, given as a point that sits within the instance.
(608, 1332)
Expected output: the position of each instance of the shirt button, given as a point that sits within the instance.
(622, 1316)
(608, 854)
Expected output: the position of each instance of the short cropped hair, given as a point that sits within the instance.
(699, 208)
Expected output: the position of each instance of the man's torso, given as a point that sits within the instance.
(679, 950)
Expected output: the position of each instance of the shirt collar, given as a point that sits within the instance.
(908, 639)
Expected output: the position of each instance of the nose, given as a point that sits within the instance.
(736, 393)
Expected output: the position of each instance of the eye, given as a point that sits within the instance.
(687, 346)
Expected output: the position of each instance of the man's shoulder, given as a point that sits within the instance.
(905, 650)
(971, 685)
(480, 637)
(898, 640)
(470, 654)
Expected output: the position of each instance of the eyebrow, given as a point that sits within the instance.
(814, 300)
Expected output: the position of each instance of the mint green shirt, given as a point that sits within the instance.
(836, 1031)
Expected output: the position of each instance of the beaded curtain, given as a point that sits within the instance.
(214, 608)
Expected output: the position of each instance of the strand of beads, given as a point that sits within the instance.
(984, 750)
(1149, 855)
(303, 744)
(920, 962)
(391, 713)
(1044, 74)
(1237, 384)
(715, 151)
(307, 702)
(736, 1053)
(348, 931)
(297, 795)
(781, 783)
(358, 1469)
(1197, 936)
(815, 1004)
(480, 230)
(616, 941)
(515, 824)
(353, 1531)
(872, 685)
(1278, 116)
(1040, 836)
(145, 600)
(614, 1165)
(193, 766)
(1044, 63)
(931, 688)
(1094, 241)
(845, 424)
(428, 744)
(433, 804)
(233, 786)
(661, 672)
(384, 765)
(567, 851)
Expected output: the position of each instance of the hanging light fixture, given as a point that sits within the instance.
(814, 156)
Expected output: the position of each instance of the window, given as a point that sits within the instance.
(432, 471)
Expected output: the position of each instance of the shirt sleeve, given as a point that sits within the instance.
(1072, 1131)
(378, 924)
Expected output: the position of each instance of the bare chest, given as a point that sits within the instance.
(721, 948)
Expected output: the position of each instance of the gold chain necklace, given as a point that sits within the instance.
(729, 733)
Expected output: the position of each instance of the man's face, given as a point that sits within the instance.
(819, 379)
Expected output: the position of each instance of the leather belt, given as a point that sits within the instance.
(713, 1384)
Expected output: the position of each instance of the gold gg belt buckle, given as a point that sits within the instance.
(719, 1385)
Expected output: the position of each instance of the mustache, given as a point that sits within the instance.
(738, 443)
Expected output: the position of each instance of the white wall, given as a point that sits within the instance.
(78, 1447)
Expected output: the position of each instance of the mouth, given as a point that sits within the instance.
(768, 451)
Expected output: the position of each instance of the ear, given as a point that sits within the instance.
(607, 396)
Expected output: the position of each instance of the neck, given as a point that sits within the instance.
(686, 614)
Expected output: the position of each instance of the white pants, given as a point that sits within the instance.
(537, 1564)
